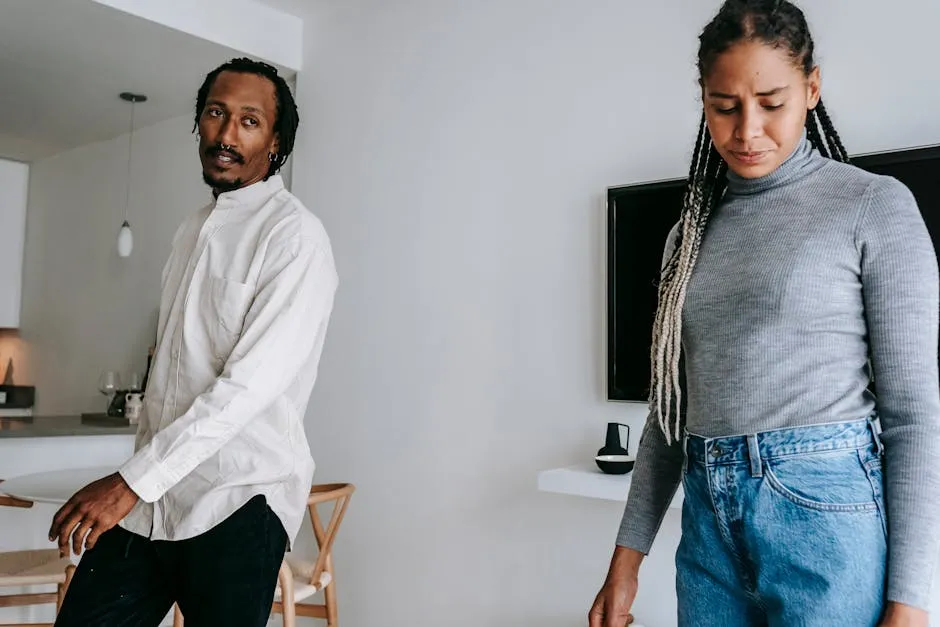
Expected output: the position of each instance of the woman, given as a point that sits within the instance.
(791, 282)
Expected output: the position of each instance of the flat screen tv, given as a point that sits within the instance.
(638, 220)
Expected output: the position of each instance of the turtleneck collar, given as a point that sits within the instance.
(801, 162)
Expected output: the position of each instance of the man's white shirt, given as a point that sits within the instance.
(247, 295)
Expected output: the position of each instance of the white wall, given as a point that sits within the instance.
(458, 153)
(84, 308)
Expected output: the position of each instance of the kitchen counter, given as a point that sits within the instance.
(56, 426)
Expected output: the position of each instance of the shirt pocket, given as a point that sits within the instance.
(226, 307)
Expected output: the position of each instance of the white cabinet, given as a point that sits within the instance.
(14, 182)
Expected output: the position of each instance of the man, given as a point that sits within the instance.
(216, 490)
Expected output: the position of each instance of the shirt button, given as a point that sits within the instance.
(176, 353)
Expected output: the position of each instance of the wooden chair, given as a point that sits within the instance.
(298, 579)
(12, 501)
(33, 568)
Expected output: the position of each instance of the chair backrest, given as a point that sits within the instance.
(10, 501)
(338, 494)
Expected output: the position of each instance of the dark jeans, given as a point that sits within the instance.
(225, 576)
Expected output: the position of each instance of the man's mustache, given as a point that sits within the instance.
(224, 151)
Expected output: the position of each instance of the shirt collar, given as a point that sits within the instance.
(252, 194)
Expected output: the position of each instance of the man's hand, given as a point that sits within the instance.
(91, 511)
(900, 615)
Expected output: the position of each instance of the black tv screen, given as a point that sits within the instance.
(638, 220)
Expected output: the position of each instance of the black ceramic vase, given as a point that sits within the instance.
(614, 458)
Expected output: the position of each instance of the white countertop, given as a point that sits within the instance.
(53, 486)
(587, 480)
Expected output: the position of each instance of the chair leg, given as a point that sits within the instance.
(63, 588)
(288, 607)
(177, 616)
(329, 593)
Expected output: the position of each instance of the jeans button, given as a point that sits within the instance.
(717, 451)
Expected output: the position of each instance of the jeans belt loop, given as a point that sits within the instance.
(753, 453)
(875, 427)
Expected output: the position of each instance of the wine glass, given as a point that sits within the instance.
(134, 382)
(108, 383)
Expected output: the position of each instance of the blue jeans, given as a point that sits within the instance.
(785, 527)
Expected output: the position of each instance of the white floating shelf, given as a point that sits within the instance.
(588, 481)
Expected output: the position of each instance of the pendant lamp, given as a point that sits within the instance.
(125, 240)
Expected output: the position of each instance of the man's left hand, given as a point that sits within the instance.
(91, 511)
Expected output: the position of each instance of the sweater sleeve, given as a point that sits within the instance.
(655, 480)
(656, 474)
(900, 288)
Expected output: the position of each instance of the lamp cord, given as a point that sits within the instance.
(130, 148)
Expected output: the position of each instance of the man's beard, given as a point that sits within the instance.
(221, 185)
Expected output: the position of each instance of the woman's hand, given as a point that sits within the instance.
(900, 615)
(612, 606)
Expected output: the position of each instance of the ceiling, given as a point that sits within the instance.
(64, 62)
(298, 8)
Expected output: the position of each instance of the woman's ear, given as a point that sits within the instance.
(813, 88)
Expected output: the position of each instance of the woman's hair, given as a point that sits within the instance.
(776, 23)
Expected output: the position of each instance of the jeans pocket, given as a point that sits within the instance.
(829, 481)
